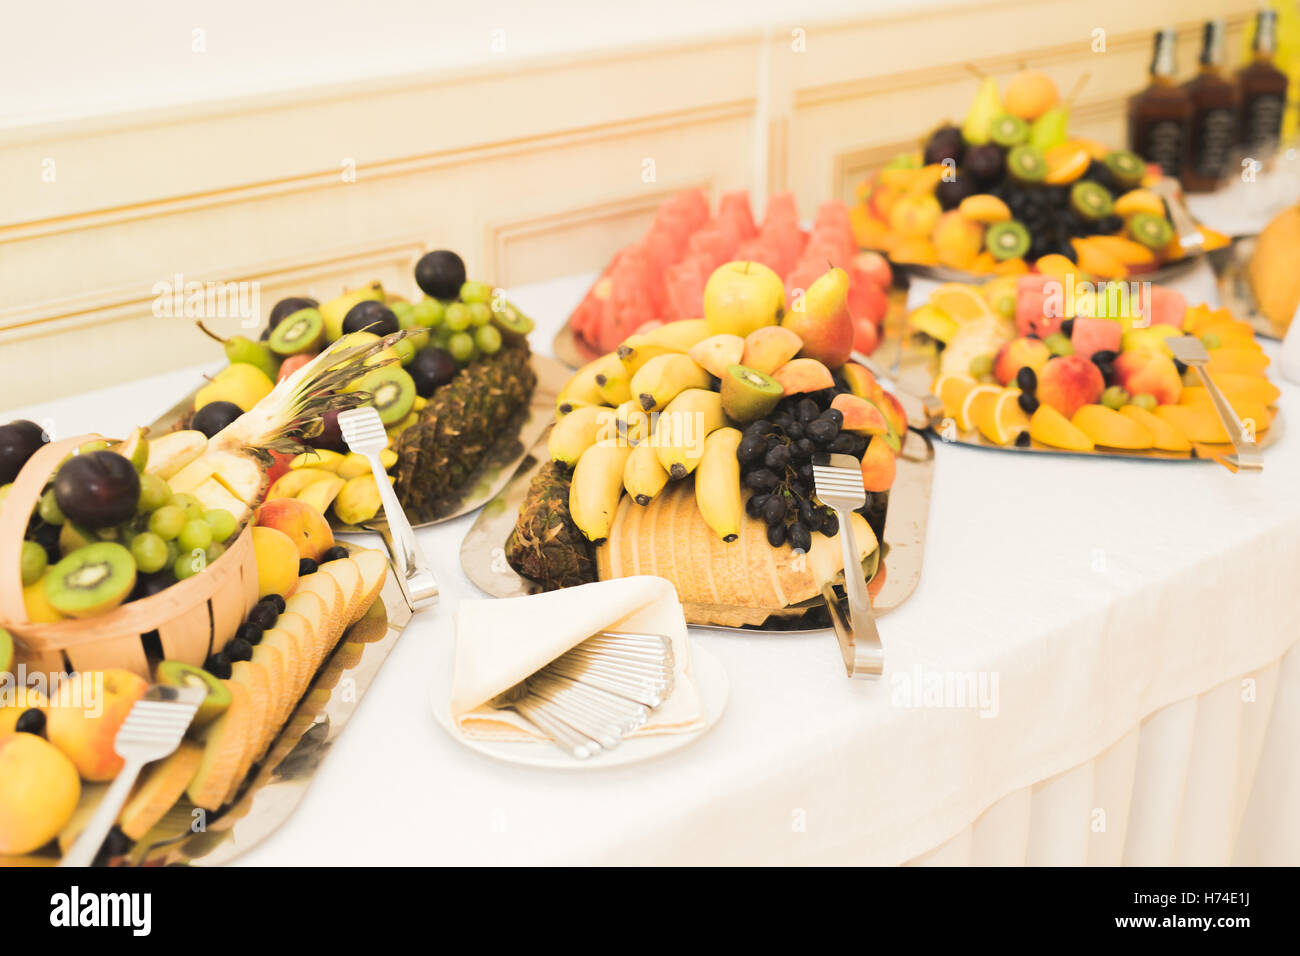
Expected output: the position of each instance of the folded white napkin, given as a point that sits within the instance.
(501, 642)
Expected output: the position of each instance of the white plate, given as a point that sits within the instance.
(710, 679)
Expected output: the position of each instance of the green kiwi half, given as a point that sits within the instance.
(748, 394)
(392, 392)
(1007, 240)
(302, 331)
(91, 580)
(1154, 232)
(1091, 200)
(1008, 130)
(1027, 164)
(179, 674)
(1127, 168)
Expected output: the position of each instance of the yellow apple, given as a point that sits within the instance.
(39, 790)
(277, 562)
(741, 297)
(84, 715)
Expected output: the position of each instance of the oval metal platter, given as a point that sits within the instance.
(482, 553)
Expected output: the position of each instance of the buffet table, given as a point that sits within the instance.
(1099, 666)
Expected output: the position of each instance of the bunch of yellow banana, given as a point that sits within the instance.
(636, 418)
(325, 479)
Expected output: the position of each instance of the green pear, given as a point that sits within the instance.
(1049, 129)
(984, 109)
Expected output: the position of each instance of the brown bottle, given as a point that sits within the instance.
(1216, 104)
(1263, 92)
(1159, 116)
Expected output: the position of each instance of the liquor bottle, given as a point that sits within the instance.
(1159, 116)
(1263, 92)
(1216, 103)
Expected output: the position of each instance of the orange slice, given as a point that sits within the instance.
(952, 390)
(1050, 427)
(970, 406)
(1105, 426)
(1066, 163)
(1002, 419)
(1164, 435)
(960, 302)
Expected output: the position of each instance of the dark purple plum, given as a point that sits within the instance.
(97, 490)
(19, 440)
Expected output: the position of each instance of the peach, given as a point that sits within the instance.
(84, 715)
(860, 415)
(1146, 373)
(893, 411)
(768, 348)
(277, 562)
(1070, 382)
(914, 215)
(860, 381)
(1017, 354)
(305, 526)
(878, 465)
(801, 375)
(39, 790)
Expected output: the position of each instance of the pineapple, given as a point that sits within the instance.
(230, 471)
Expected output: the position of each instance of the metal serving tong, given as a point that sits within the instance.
(591, 697)
(1246, 456)
(838, 484)
(364, 433)
(1190, 237)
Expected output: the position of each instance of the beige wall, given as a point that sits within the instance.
(535, 170)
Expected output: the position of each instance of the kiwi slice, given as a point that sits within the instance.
(392, 392)
(1127, 168)
(1091, 200)
(1027, 164)
(1008, 130)
(1007, 240)
(1154, 232)
(748, 394)
(91, 580)
(297, 333)
(513, 324)
(179, 674)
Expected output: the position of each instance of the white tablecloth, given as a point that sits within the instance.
(1136, 617)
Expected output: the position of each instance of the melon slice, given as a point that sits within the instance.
(308, 615)
(348, 578)
(224, 741)
(158, 790)
(327, 588)
(373, 566)
(253, 678)
(297, 661)
(279, 693)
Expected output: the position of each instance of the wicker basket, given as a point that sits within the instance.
(192, 618)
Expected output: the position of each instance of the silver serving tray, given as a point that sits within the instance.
(1166, 273)
(274, 788)
(482, 552)
(492, 473)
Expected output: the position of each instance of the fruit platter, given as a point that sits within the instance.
(1047, 364)
(665, 276)
(462, 401)
(1010, 191)
(120, 573)
(687, 452)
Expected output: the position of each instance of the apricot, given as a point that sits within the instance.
(277, 562)
(1030, 94)
(39, 790)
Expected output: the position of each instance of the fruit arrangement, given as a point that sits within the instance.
(732, 408)
(1009, 191)
(455, 380)
(56, 745)
(122, 522)
(1021, 363)
(662, 278)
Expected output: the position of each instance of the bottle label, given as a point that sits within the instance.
(1261, 122)
(1163, 145)
(1213, 141)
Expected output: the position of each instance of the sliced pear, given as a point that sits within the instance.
(224, 741)
(158, 790)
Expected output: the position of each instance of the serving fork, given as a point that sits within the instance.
(1246, 456)
(364, 433)
(152, 730)
(837, 481)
